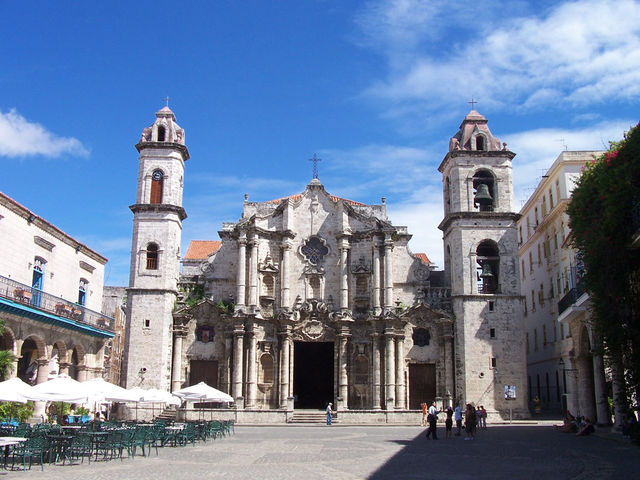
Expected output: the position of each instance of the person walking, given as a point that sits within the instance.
(329, 413)
(457, 415)
(448, 423)
(470, 420)
(483, 423)
(423, 406)
(432, 418)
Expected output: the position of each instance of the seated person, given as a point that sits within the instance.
(587, 428)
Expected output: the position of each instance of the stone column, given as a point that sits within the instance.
(390, 370)
(253, 273)
(286, 264)
(238, 367)
(63, 368)
(242, 272)
(284, 366)
(41, 377)
(344, 272)
(82, 373)
(448, 362)
(179, 333)
(388, 273)
(573, 400)
(400, 386)
(618, 390)
(43, 370)
(343, 379)
(603, 416)
(228, 352)
(473, 262)
(376, 277)
(251, 370)
(375, 370)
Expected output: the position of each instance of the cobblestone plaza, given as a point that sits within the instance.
(377, 453)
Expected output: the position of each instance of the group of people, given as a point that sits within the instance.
(474, 418)
(581, 426)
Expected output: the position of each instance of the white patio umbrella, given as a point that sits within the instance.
(101, 390)
(153, 396)
(14, 390)
(60, 389)
(201, 392)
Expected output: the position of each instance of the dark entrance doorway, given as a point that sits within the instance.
(203, 371)
(313, 374)
(422, 384)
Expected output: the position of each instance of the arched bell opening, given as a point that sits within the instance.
(484, 191)
(488, 267)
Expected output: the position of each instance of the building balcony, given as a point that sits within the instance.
(39, 300)
(572, 301)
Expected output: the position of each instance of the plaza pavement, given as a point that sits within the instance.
(338, 452)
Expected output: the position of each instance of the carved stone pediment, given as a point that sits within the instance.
(268, 266)
(313, 330)
(360, 267)
(313, 308)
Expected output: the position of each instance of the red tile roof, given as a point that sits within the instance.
(201, 249)
(423, 258)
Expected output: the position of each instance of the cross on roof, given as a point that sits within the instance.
(473, 103)
(166, 99)
(315, 161)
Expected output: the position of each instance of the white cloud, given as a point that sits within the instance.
(537, 149)
(578, 53)
(21, 138)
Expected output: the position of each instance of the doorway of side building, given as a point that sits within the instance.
(422, 384)
(313, 374)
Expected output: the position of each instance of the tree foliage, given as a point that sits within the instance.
(604, 215)
(6, 357)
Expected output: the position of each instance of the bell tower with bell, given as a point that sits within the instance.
(155, 253)
(481, 266)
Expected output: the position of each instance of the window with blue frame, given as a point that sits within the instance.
(37, 281)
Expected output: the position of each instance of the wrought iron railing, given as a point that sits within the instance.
(40, 300)
(571, 297)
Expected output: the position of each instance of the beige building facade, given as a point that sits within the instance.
(565, 367)
(50, 299)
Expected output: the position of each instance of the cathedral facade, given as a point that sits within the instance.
(312, 298)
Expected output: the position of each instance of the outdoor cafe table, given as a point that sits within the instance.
(8, 442)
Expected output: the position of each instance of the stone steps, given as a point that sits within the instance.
(309, 416)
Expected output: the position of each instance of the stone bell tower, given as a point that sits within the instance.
(155, 253)
(481, 264)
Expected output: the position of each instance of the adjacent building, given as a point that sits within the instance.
(50, 298)
(564, 367)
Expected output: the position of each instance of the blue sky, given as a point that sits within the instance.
(375, 88)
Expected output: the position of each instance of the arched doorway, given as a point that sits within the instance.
(27, 364)
(313, 379)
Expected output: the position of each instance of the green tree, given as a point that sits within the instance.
(604, 214)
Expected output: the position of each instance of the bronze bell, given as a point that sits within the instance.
(483, 197)
(486, 271)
